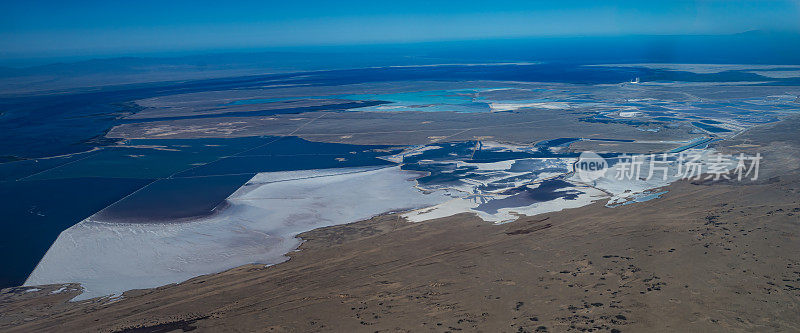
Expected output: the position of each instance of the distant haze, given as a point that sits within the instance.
(45, 29)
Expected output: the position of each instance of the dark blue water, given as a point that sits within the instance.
(174, 199)
(525, 196)
(560, 142)
(297, 146)
(270, 112)
(292, 153)
(700, 143)
(24, 168)
(668, 119)
(441, 169)
(710, 128)
(603, 119)
(35, 212)
(483, 156)
(255, 164)
(611, 140)
(164, 159)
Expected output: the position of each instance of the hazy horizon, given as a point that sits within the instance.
(98, 29)
(584, 49)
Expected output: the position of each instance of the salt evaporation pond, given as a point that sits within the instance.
(258, 222)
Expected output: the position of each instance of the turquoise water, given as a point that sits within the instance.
(645, 196)
(421, 97)
(456, 100)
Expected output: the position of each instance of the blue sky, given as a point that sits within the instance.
(64, 28)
